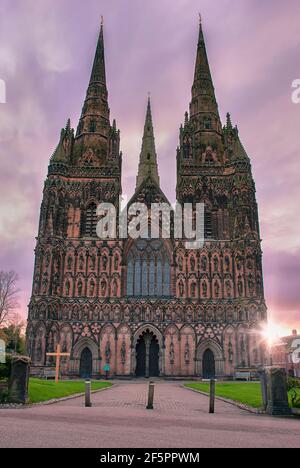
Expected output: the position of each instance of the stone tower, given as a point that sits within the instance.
(148, 307)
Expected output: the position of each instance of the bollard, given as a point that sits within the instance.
(212, 392)
(150, 396)
(88, 403)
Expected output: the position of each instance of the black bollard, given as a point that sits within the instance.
(212, 392)
(150, 396)
(88, 403)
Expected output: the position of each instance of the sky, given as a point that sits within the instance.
(46, 53)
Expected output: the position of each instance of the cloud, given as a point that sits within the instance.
(45, 58)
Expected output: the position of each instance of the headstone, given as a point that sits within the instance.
(19, 378)
(278, 404)
(264, 390)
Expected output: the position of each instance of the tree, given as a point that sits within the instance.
(8, 295)
(14, 338)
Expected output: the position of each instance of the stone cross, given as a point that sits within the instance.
(58, 355)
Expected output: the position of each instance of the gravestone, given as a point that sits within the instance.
(19, 378)
(278, 404)
(264, 388)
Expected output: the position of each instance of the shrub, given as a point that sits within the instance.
(293, 385)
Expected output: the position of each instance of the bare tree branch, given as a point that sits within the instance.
(8, 295)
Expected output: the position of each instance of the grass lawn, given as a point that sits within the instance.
(248, 393)
(44, 390)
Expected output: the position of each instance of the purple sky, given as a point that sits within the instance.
(46, 53)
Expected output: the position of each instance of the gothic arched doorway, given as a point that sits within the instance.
(209, 367)
(147, 355)
(86, 364)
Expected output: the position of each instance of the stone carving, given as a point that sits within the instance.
(107, 352)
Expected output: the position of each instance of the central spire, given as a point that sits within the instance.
(148, 158)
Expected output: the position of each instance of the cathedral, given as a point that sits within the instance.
(148, 307)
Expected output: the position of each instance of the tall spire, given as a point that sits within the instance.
(148, 158)
(203, 92)
(97, 142)
(98, 72)
(95, 112)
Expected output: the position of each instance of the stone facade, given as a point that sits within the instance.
(148, 307)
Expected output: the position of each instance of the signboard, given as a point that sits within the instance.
(2, 352)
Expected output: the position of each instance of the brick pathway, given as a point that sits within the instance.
(118, 418)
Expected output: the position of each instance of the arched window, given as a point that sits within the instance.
(92, 126)
(89, 221)
(148, 270)
(207, 123)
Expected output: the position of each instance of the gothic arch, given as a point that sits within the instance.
(152, 329)
(81, 344)
(215, 347)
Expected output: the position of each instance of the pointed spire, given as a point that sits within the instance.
(203, 92)
(95, 113)
(202, 69)
(98, 72)
(148, 158)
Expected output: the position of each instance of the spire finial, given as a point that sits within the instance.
(200, 18)
(102, 21)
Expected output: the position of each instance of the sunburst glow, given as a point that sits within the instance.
(272, 332)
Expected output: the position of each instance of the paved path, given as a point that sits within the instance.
(118, 418)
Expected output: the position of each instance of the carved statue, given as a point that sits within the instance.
(39, 350)
(107, 352)
(192, 263)
(93, 262)
(230, 351)
(127, 314)
(123, 352)
(103, 288)
(81, 262)
(104, 262)
(70, 262)
(204, 288)
(172, 353)
(92, 288)
(187, 352)
(228, 288)
(80, 286)
(203, 263)
(240, 286)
